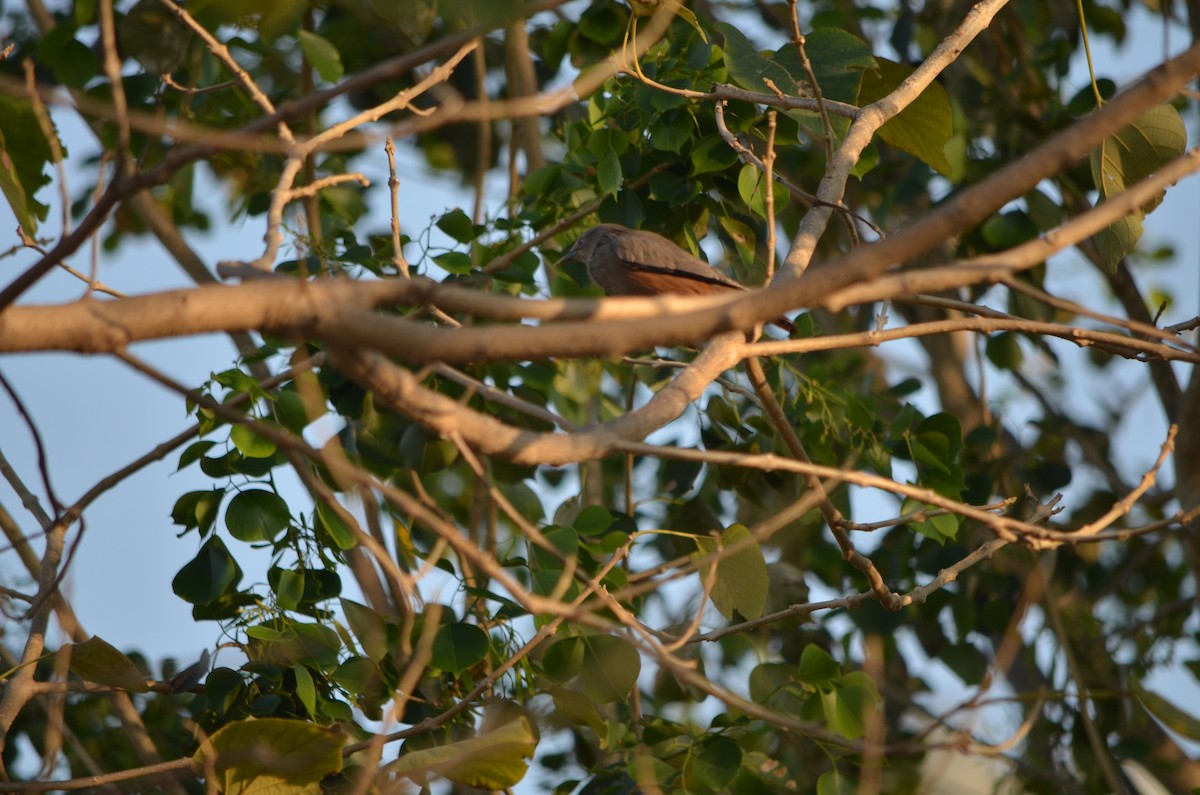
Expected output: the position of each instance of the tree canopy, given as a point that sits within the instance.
(558, 541)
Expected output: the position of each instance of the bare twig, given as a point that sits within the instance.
(394, 189)
(798, 42)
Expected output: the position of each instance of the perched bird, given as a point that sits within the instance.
(625, 261)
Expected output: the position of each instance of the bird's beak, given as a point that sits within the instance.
(570, 254)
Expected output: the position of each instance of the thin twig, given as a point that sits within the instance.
(818, 95)
(769, 170)
(394, 189)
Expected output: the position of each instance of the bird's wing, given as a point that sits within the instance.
(645, 252)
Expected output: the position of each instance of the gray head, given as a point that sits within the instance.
(587, 243)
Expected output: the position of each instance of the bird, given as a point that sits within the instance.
(625, 261)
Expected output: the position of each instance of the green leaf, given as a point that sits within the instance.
(749, 68)
(603, 23)
(843, 711)
(290, 643)
(593, 520)
(1116, 241)
(563, 539)
(712, 155)
(290, 590)
(495, 760)
(306, 689)
(455, 262)
(743, 238)
(154, 36)
(194, 452)
(606, 139)
(657, 730)
(576, 708)
(672, 130)
(712, 764)
(358, 675)
(341, 533)
(14, 191)
(669, 188)
(644, 8)
(24, 155)
(564, 659)
(929, 450)
(420, 450)
(776, 685)
(867, 161)
(323, 56)
(251, 445)
(197, 509)
(73, 62)
(839, 60)
(291, 411)
(850, 706)
(1168, 713)
(1044, 212)
(270, 756)
(1153, 139)
(741, 582)
(945, 427)
(414, 19)
(457, 224)
(1008, 230)
(817, 668)
(836, 782)
(456, 647)
(95, 660)
(610, 668)
(335, 710)
(210, 574)
(318, 643)
(608, 173)
(369, 627)
(240, 381)
(935, 445)
(940, 528)
(226, 606)
(548, 579)
(222, 688)
(722, 412)
(321, 584)
(1004, 350)
(753, 189)
(924, 127)
(268, 634)
(256, 515)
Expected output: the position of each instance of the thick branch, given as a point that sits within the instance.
(401, 390)
(864, 127)
(975, 204)
(181, 156)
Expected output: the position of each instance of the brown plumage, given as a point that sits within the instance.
(626, 261)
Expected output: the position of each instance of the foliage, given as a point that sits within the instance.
(493, 580)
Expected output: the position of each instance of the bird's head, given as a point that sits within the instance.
(589, 241)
